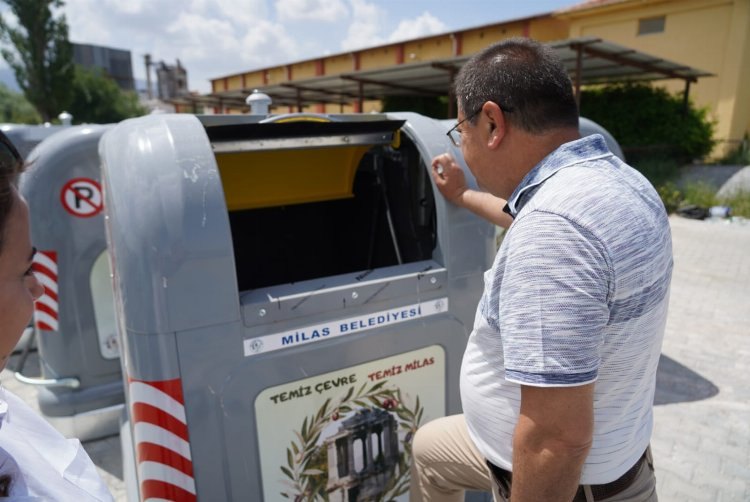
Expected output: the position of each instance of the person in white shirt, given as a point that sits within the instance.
(36, 461)
(559, 372)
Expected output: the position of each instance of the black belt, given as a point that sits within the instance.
(600, 492)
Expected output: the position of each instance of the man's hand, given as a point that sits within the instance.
(551, 442)
(451, 182)
(449, 177)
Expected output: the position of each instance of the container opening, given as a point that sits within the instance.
(384, 217)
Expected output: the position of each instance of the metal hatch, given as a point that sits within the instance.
(294, 160)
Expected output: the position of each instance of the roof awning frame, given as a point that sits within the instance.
(589, 60)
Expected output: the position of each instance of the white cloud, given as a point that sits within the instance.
(120, 24)
(129, 7)
(424, 25)
(369, 20)
(212, 38)
(367, 23)
(244, 13)
(329, 11)
(207, 36)
(9, 17)
(211, 48)
(195, 38)
(86, 25)
(268, 44)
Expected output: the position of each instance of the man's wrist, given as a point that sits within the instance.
(460, 198)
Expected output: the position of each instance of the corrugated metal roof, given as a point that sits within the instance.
(606, 62)
(590, 4)
(600, 62)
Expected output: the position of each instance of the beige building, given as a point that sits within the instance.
(708, 35)
(713, 35)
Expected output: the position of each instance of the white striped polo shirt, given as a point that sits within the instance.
(578, 293)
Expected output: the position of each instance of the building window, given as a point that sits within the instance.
(651, 25)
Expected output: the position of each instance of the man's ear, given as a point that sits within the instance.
(497, 126)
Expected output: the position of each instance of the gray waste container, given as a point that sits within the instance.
(293, 300)
(588, 127)
(25, 137)
(81, 390)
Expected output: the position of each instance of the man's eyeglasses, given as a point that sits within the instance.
(455, 134)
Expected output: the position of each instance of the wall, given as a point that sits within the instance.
(474, 40)
(709, 35)
(427, 49)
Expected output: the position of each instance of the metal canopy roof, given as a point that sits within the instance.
(589, 60)
(596, 61)
(414, 79)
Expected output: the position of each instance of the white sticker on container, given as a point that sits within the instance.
(343, 327)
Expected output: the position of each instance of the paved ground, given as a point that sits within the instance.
(702, 436)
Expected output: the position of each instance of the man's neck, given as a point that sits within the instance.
(541, 145)
(530, 149)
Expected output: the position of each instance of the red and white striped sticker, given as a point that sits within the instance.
(160, 433)
(46, 307)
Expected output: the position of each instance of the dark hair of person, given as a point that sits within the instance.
(526, 79)
(11, 165)
(5, 480)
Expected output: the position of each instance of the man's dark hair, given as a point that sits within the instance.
(5, 481)
(11, 165)
(526, 79)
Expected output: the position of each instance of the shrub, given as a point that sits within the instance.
(435, 107)
(670, 196)
(657, 170)
(700, 193)
(739, 202)
(703, 195)
(97, 99)
(649, 123)
(15, 108)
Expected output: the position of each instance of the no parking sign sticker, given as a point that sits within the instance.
(82, 197)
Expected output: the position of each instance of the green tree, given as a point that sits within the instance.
(97, 98)
(431, 106)
(15, 109)
(41, 56)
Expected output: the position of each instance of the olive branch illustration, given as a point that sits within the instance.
(306, 464)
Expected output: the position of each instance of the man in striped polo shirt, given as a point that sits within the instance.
(559, 372)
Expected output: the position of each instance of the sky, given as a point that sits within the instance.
(215, 38)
